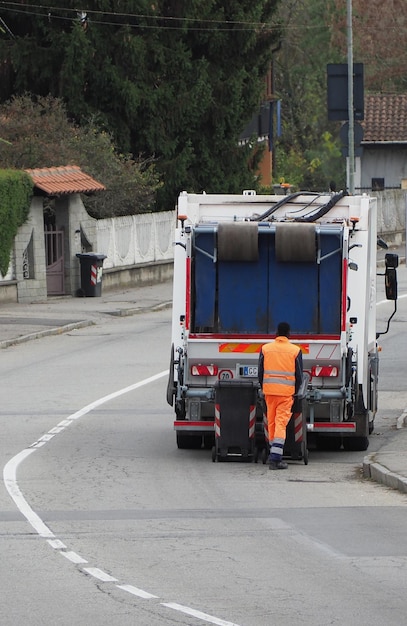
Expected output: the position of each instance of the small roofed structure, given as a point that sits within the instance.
(57, 181)
(47, 245)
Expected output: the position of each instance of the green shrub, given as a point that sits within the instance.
(16, 190)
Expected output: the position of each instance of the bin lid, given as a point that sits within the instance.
(91, 255)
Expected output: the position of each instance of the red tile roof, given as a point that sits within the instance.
(385, 118)
(56, 181)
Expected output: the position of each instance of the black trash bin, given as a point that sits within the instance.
(235, 420)
(91, 273)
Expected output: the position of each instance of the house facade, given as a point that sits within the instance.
(383, 161)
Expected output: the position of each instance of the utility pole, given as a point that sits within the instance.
(351, 137)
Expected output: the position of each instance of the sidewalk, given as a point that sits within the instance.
(59, 314)
(24, 322)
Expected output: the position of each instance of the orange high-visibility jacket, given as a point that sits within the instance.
(280, 367)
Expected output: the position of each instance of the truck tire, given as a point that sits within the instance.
(355, 444)
(171, 389)
(189, 442)
(328, 442)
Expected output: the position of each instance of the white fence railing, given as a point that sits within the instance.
(135, 239)
(129, 240)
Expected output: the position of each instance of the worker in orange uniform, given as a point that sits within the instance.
(280, 376)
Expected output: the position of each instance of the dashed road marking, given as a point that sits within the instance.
(10, 481)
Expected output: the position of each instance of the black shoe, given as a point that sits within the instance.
(277, 465)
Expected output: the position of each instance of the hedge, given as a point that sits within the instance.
(16, 191)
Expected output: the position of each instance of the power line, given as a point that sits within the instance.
(52, 12)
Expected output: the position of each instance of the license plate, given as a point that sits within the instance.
(248, 371)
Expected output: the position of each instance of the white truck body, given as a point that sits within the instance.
(242, 264)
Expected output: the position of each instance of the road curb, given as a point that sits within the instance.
(141, 309)
(380, 474)
(58, 330)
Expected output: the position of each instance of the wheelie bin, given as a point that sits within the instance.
(91, 265)
(235, 420)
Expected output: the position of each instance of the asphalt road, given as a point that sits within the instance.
(103, 520)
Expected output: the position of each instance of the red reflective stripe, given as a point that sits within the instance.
(188, 292)
(332, 427)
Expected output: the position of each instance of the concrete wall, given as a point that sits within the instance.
(31, 276)
(391, 215)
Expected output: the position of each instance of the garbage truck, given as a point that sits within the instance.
(245, 262)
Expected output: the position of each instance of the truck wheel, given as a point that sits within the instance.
(355, 444)
(171, 389)
(324, 442)
(264, 456)
(304, 452)
(189, 442)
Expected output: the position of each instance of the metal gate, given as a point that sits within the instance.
(54, 259)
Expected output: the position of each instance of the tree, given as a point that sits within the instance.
(36, 132)
(380, 42)
(173, 80)
(308, 153)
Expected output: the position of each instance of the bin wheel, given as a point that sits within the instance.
(213, 454)
(264, 456)
(305, 455)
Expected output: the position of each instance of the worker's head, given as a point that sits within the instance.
(283, 329)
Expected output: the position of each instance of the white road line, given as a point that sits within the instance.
(73, 557)
(10, 481)
(198, 614)
(100, 574)
(135, 591)
(56, 544)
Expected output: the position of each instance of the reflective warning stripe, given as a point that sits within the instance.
(217, 420)
(297, 427)
(252, 421)
(246, 348)
(266, 427)
(93, 274)
(252, 348)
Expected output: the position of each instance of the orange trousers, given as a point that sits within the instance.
(278, 415)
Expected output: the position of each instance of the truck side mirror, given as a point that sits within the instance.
(390, 280)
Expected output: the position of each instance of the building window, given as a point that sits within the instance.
(377, 184)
